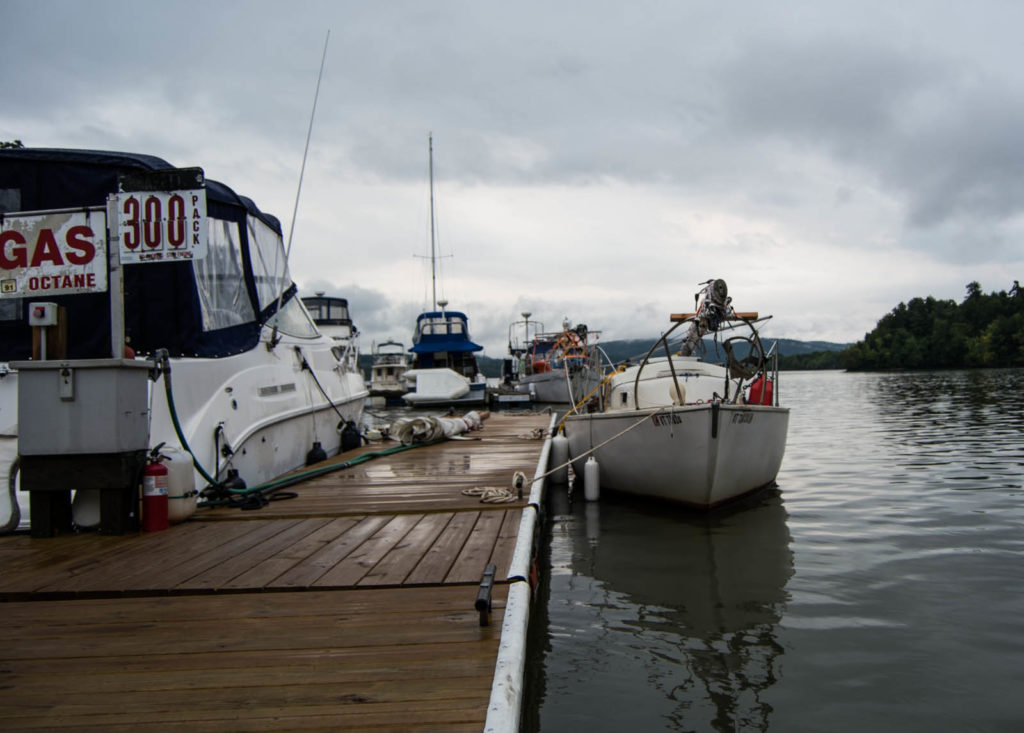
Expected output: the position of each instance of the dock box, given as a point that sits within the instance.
(82, 424)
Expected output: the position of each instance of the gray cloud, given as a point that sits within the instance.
(593, 159)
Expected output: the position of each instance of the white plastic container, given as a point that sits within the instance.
(181, 484)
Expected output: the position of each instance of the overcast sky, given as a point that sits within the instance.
(593, 160)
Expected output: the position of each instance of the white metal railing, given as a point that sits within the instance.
(505, 706)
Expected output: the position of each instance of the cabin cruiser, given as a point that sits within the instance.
(332, 318)
(390, 362)
(444, 369)
(121, 270)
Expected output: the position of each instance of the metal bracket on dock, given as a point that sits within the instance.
(483, 596)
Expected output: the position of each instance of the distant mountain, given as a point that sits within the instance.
(635, 349)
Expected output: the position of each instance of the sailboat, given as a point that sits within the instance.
(444, 369)
(679, 429)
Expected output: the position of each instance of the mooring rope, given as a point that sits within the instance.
(492, 494)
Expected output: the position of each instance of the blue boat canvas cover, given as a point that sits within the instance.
(442, 331)
(209, 307)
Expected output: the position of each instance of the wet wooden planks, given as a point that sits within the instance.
(343, 609)
(394, 659)
(272, 554)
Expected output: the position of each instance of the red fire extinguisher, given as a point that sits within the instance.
(154, 495)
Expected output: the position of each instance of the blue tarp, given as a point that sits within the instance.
(454, 339)
(430, 345)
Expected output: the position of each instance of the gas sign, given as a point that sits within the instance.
(53, 253)
(161, 226)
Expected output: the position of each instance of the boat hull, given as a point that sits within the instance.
(695, 455)
(554, 387)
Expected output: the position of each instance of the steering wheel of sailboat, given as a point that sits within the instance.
(748, 366)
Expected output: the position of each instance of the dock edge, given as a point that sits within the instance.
(505, 706)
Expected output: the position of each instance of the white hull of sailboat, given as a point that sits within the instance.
(697, 455)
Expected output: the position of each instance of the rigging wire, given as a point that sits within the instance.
(298, 191)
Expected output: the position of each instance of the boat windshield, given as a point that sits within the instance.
(294, 320)
(442, 326)
(328, 310)
(266, 249)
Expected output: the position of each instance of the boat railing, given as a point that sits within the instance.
(734, 321)
(773, 358)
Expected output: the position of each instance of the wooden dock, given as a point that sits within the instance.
(348, 607)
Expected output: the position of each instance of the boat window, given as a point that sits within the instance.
(293, 319)
(323, 310)
(10, 200)
(337, 310)
(431, 326)
(220, 279)
(268, 267)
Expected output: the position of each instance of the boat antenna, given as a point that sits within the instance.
(298, 191)
(433, 227)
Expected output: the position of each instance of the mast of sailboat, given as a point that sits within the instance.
(433, 256)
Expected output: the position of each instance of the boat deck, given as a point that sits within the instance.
(350, 606)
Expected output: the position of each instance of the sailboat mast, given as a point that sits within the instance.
(433, 256)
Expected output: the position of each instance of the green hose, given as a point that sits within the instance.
(275, 484)
(295, 478)
(162, 357)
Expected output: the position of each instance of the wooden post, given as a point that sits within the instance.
(746, 316)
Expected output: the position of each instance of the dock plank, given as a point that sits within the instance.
(308, 656)
(433, 567)
(349, 607)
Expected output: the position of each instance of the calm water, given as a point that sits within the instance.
(881, 588)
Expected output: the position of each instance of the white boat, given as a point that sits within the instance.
(444, 370)
(390, 362)
(194, 331)
(332, 318)
(554, 366)
(679, 429)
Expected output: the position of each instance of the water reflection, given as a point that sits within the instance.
(678, 609)
(897, 605)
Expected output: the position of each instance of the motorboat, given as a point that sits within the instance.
(121, 270)
(390, 362)
(681, 429)
(444, 370)
(332, 318)
(554, 366)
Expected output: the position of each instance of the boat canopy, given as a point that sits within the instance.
(208, 307)
(442, 331)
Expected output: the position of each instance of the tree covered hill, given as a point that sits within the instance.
(925, 333)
